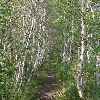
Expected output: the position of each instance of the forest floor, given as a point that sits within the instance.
(53, 87)
(48, 90)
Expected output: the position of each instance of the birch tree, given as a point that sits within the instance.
(81, 62)
(24, 42)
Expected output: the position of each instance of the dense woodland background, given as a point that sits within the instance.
(38, 35)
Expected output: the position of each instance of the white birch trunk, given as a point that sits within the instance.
(81, 61)
(65, 45)
(98, 70)
(98, 65)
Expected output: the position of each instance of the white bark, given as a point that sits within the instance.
(98, 70)
(65, 46)
(98, 65)
(81, 59)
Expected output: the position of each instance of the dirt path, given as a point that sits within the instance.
(47, 92)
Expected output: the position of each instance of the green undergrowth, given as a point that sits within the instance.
(66, 84)
(32, 89)
(65, 80)
(67, 87)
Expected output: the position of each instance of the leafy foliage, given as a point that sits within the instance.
(26, 51)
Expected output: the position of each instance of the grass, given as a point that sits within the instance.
(32, 89)
(66, 88)
(66, 85)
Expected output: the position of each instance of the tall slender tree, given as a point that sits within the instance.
(81, 59)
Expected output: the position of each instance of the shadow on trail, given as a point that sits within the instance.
(47, 91)
(49, 88)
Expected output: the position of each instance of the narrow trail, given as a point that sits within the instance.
(47, 91)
